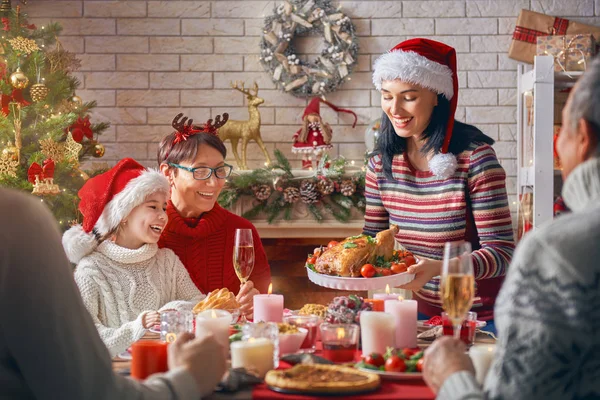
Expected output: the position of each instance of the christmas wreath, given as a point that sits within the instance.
(277, 191)
(287, 68)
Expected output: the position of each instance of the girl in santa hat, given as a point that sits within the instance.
(124, 278)
(436, 178)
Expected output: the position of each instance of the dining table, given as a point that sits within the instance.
(413, 389)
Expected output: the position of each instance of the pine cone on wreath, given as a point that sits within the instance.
(309, 193)
(348, 187)
(326, 186)
(291, 195)
(261, 192)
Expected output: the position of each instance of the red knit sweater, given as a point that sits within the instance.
(205, 247)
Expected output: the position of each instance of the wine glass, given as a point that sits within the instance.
(458, 283)
(243, 258)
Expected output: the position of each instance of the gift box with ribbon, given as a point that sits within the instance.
(531, 25)
(570, 52)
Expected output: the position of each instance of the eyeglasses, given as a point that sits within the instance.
(204, 173)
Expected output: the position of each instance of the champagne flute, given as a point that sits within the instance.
(458, 283)
(243, 258)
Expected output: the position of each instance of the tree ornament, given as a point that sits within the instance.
(5, 6)
(309, 192)
(72, 149)
(8, 165)
(18, 79)
(325, 186)
(291, 195)
(42, 178)
(62, 60)
(52, 149)
(11, 152)
(76, 100)
(348, 187)
(99, 150)
(21, 44)
(261, 192)
(80, 128)
(372, 134)
(38, 92)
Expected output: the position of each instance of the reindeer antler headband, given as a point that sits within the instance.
(184, 130)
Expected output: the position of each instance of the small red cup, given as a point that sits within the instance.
(467, 329)
(378, 304)
(148, 357)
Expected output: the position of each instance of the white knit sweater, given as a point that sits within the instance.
(120, 285)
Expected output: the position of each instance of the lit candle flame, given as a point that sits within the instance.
(400, 298)
(341, 333)
(387, 289)
(214, 314)
(270, 288)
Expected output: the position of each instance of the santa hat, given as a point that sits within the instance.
(106, 200)
(432, 65)
(314, 107)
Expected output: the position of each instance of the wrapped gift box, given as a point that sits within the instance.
(570, 52)
(531, 25)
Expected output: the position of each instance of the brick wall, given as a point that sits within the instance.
(145, 61)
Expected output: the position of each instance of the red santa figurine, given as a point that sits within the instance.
(315, 135)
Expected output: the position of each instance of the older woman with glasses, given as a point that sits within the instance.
(200, 231)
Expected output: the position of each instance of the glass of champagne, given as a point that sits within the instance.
(243, 257)
(458, 283)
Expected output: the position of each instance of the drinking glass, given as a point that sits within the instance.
(172, 323)
(243, 258)
(458, 283)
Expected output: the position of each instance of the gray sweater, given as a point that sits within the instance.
(548, 311)
(49, 346)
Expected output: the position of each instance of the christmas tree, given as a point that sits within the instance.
(45, 129)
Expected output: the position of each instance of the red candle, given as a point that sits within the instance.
(339, 341)
(467, 329)
(378, 304)
(339, 352)
(148, 357)
(311, 337)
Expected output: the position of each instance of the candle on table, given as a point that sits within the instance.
(340, 341)
(377, 331)
(405, 317)
(254, 354)
(482, 356)
(311, 323)
(385, 296)
(216, 322)
(377, 304)
(268, 307)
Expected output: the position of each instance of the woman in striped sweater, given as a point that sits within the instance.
(436, 178)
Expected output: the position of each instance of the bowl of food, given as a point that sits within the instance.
(290, 338)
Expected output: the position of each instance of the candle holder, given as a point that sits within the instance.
(482, 356)
(265, 330)
(172, 323)
(216, 322)
(340, 341)
(311, 323)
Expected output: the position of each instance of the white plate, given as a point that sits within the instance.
(395, 376)
(423, 324)
(342, 283)
(126, 355)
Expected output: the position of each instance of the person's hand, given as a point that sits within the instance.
(192, 354)
(245, 297)
(424, 270)
(150, 319)
(443, 358)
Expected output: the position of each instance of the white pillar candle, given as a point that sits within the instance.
(268, 308)
(482, 356)
(216, 322)
(376, 331)
(405, 317)
(387, 295)
(255, 355)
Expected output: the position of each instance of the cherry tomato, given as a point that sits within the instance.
(408, 352)
(331, 244)
(420, 364)
(409, 260)
(398, 268)
(395, 364)
(311, 260)
(375, 359)
(367, 270)
(384, 271)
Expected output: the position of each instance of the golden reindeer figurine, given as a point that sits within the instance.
(245, 130)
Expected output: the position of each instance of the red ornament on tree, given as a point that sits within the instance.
(80, 128)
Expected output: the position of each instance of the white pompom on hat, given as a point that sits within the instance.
(432, 65)
(106, 200)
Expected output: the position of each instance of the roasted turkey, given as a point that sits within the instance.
(347, 257)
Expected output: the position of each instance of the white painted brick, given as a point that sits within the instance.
(253, 27)
(348, 134)
(491, 115)
(242, 9)
(359, 80)
(363, 63)
(290, 116)
(65, 9)
(372, 9)
(507, 97)
(109, 135)
(147, 98)
(353, 151)
(80, 77)
(432, 9)
(117, 151)
(473, 26)
(462, 79)
(495, 8)
(278, 98)
(379, 45)
(121, 9)
(564, 8)
(586, 20)
(179, 9)
(236, 45)
(375, 98)
(212, 27)
(181, 45)
(490, 130)
(180, 80)
(476, 61)
(492, 79)
(597, 7)
(211, 62)
(104, 98)
(507, 132)
(116, 44)
(505, 63)
(97, 62)
(146, 133)
(164, 115)
(151, 27)
(506, 26)
(147, 62)
(80, 26)
(348, 98)
(403, 26)
(460, 114)
(267, 115)
(362, 27)
(116, 80)
(460, 43)
(209, 98)
(223, 80)
(73, 44)
(478, 97)
(121, 115)
(510, 166)
(490, 44)
(506, 149)
(278, 133)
